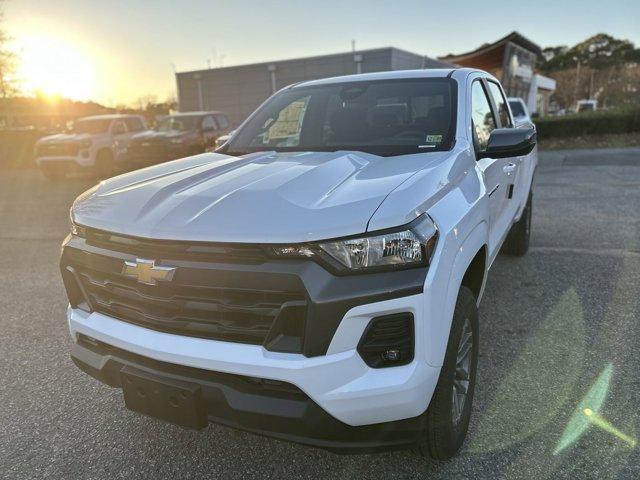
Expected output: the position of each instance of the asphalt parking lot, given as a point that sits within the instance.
(551, 323)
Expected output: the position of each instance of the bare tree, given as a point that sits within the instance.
(7, 62)
(145, 102)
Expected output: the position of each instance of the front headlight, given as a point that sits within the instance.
(85, 143)
(411, 246)
(76, 230)
(176, 141)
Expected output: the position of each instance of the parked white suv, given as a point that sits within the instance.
(519, 111)
(318, 279)
(96, 144)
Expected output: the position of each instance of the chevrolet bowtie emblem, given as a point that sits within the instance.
(146, 271)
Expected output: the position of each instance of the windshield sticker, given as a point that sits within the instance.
(434, 139)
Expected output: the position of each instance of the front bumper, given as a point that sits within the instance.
(274, 408)
(340, 382)
(71, 162)
(322, 364)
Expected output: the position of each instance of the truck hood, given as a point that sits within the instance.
(264, 197)
(153, 135)
(65, 137)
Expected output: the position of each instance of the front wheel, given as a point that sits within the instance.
(517, 241)
(449, 412)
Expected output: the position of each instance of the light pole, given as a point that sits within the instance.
(198, 78)
(272, 70)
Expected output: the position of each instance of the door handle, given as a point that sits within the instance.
(509, 168)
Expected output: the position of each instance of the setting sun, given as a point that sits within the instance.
(54, 68)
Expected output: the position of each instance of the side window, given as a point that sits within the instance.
(501, 105)
(481, 115)
(223, 121)
(118, 128)
(134, 124)
(208, 124)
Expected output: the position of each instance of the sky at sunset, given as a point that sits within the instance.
(117, 51)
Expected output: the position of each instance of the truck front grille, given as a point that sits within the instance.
(58, 150)
(203, 299)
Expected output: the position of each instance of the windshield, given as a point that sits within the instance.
(517, 109)
(179, 122)
(92, 126)
(384, 117)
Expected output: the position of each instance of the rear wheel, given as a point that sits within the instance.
(104, 166)
(517, 241)
(449, 412)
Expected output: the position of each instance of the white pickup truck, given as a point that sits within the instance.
(318, 278)
(96, 144)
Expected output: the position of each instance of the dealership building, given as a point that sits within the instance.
(512, 60)
(240, 89)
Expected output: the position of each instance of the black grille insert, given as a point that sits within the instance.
(200, 251)
(202, 300)
(58, 149)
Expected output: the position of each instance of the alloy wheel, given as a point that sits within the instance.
(462, 376)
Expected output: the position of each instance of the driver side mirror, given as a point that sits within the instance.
(510, 142)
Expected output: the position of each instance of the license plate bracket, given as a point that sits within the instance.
(168, 399)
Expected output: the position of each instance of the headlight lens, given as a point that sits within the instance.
(398, 248)
(85, 143)
(411, 246)
(176, 141)
(77, 230)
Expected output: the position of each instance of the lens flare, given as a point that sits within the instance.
(586, 414)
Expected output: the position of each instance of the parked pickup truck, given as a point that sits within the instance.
(177, 136)
(318, 278)
(95, 144)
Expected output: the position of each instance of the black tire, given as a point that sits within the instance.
(104, 166)
(54, 173)
(517, 241)
(446, 429)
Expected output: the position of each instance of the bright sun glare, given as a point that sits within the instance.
(54, 68)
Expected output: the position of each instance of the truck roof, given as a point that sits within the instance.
(199, 112)
(397, 74)
(113, 116)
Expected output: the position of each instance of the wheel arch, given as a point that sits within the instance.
(476, 273)
(468, 268)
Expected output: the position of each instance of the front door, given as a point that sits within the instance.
(498, 173)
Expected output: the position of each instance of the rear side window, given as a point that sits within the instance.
(208, 124)
(222, 120)
(501, 104)
(134, 124)
(481, 115)
(516, 108)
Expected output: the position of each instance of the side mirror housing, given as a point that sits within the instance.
(510, 142)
